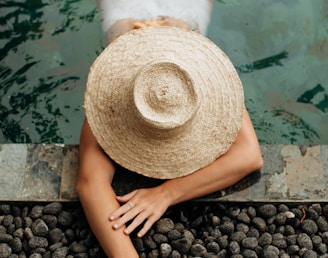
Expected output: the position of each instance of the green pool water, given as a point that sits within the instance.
(279, 48)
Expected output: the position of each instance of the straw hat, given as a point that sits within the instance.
(164, 101)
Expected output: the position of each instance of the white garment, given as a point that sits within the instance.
(196, 13)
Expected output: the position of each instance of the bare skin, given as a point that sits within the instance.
(108, 214)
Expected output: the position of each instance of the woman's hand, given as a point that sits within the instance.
(144, 205)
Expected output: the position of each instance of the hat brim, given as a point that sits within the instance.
(108, 105)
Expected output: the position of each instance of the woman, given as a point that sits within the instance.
(107, 213)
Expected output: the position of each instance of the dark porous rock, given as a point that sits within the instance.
(322, 224)
(213, 247)
(78, 248)
(312, 214)
(55, 235)
(35, 255)
(7, 220)
(260, 224)
(188, 235)
(70, 235)
(309, 227)
(265, 239)
(270, 251)
(81, 255)
(237, 236)
(53, 208)
(267, 210)
(279, 241)
(5, 250)
(65, 219)
(174, 234)
(5, 209)
(281, 218)
(248, 253)
(38, 242)
(316, 241)
(242, 227)
(324, 210)
(36, 212)
(282, 208)
(227, 228)
(3, 229)
(40, 228)
(27, 222)
(251, 211)
(16, 245)
(223, 241)
(164, 225)
(244, 218)
(197, 250)
(60, 252)
(324, 237)
(210, 255)
(233, 212)
(289, 230)
(249, 242)
(182, 245)
(153, 254)
(253, 232)
(55, 246)
(196, 223)
(234, 247)
(50, 220)
(18, 222)
(138, 244)
(149, 242)
(222, 253)
(293, 249)
(28, 233)
(5, 238)
(322, 248)
(291, 239)
(160, 238)
(305, 241)
(310, 254)
(165, 250)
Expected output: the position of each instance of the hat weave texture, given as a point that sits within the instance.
(163, 101)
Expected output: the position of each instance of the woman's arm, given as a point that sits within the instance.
(149, 205)
(98, 198)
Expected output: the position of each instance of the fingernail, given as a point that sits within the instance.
(115, 225)
(111, 217)
(126, 231)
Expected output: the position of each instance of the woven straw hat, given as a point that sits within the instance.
(163, 101)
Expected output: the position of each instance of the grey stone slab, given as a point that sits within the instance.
(305, 172)
(272, 184)
(70, 173)
(43, 170)
(12, 164)
(50, 172)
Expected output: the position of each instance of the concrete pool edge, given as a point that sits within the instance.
(48, 172)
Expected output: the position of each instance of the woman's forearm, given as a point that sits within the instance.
(243, 157)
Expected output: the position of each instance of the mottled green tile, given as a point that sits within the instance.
(43, 171)
(12, 164)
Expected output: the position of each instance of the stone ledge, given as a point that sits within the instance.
(48, 172)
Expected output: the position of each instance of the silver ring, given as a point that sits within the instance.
(130, 204)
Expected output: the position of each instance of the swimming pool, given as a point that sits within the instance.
(280, 49)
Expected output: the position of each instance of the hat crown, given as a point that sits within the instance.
(165, 95)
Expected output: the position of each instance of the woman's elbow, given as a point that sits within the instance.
(255, 160)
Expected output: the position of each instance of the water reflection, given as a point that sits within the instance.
(43, 68)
